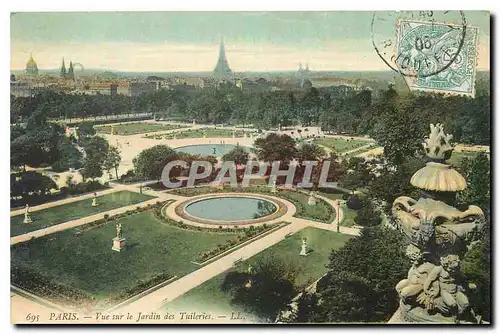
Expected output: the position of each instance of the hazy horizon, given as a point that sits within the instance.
(189, 41)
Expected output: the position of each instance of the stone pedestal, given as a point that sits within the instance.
(418, 315)
(27, 218)
(439, 235)
(118, 244)
(94, 202)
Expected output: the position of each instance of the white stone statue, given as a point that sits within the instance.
(27, 215)
(94, 201)
(303, 251)
(119, 241)
(312, 199)
(119, 233)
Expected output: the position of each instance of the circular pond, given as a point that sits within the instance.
(229, 209)
(217, 150)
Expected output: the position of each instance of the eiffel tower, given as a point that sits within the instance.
(222, 67)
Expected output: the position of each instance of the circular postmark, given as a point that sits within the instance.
(419, 43)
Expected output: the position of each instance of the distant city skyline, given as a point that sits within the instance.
(189, 41)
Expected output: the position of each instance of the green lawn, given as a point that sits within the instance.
(321, 212)
(349, 214)
(75, 210)
(134, 128)
(209, 298)
(200, 133)
(341, 145)
(353, 154)
(86, 262)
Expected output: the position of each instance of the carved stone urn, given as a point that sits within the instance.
(439, 236)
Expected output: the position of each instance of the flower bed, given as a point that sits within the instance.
(140, 287)
(159, 213)
(249, 233)
(321, 212)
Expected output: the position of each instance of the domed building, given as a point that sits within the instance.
(31, 66)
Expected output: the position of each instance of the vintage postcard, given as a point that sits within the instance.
(250, 167)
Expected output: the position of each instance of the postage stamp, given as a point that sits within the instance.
(437, 57)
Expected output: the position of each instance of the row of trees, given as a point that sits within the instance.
(338, 110)
(39, 144)
(44, 144)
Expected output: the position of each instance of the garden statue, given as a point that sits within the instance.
(119, 240)
(119, 231)
(248, 284)
(303, 250)
(94, 201)
(312, 199)
(27, 215)
(439, 236)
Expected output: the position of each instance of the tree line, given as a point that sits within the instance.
(364, 112)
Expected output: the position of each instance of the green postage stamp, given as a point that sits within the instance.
(437, 57)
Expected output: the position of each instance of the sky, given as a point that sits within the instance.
(188, 41)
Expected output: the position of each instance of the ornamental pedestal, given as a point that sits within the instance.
(118, 244)
(439, 236)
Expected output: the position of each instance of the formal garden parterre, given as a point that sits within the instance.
(135, 128)
(75, 210)
(83, 270)
(209, 297)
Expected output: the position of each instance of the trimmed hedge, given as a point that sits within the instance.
(140, 286)
(248, 233)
